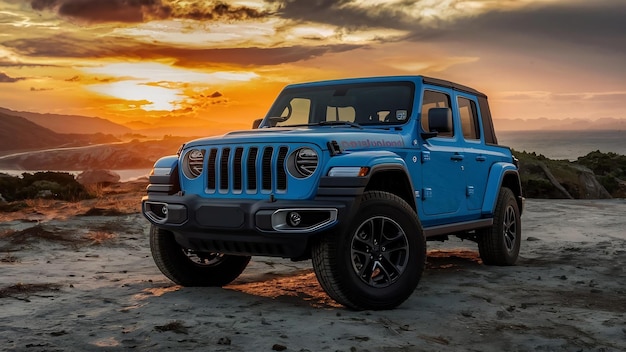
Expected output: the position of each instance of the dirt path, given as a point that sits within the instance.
(89, 283)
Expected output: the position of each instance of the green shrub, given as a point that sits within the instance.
(57, 185)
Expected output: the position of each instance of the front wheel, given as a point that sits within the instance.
(189, 268)
(500, 244)
(378, 260)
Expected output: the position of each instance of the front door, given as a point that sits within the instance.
(443, 189)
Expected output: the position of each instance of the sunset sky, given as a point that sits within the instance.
(221, 64)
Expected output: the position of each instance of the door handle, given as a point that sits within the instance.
(481, 158)
(457, 157)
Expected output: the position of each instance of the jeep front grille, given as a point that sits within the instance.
(246, 169)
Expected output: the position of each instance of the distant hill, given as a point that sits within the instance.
(130, 155)
(19, 133)
(71, 123)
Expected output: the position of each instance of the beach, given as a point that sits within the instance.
(76, 282)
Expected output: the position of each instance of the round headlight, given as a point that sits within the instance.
(302, 162)
(193, 163)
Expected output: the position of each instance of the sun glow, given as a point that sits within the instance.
(157, 86)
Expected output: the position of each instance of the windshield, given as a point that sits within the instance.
(362, 104)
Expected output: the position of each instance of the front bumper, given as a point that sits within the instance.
(247, 227)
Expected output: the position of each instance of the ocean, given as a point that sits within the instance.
(568, 145)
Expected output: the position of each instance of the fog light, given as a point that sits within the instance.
(164, 210)
(294, 218)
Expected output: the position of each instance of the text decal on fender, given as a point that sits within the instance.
(372, 143)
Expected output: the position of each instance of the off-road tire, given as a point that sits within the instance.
(175, 262)
(342, 269)
(500, 244)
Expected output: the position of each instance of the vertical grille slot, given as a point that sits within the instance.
(281, 174)
(266, 168)
(251, 166)
(211, 169)
(224, 168)
(233, 169)
(237, 169)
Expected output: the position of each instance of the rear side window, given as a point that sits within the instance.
(469, 118)
(434, 100)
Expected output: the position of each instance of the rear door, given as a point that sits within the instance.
(477, 158)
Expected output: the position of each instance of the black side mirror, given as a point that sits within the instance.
(256, 123)
(439, 122)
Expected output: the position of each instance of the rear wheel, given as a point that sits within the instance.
(189, 268)
(379, 259)
(500, 244)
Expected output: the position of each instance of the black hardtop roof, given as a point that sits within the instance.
(451, 85)
(423, 79)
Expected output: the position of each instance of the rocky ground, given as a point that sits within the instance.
(79, 276)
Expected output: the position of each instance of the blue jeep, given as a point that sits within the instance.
(354, 174)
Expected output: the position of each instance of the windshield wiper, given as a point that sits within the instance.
(336, 123)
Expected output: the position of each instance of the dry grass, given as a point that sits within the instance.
(99, 237)
(41, 232)
(23, 291)
(96, 190)
(95, 211)
(37, 232)
(113, 200)
(12, 207)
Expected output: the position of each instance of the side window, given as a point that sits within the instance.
(434, 100)
(469, 118)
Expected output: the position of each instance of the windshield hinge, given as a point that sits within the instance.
(334, 148)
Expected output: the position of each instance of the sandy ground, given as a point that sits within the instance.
(83, 283)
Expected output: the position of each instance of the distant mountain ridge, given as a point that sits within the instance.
(71, 123)
(19, 133)
(570, 124)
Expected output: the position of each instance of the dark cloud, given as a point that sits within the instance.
(245, 56)
(135, 11)
(215, 95)
(43, 4)
(99, 11)
(595, 25)
(33, 89)
(347, 14)
(64, 46)
(202, 10)
(4, 78)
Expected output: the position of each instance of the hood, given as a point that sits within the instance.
(348, 138)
